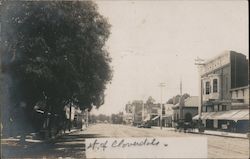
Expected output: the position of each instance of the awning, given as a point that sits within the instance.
(225, 115)
(242, 114)
(206, 115)
(156, 117)
(147, 118)
(196, 117)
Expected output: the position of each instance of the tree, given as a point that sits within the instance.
(170, 101)
(150, 100)
(178, 99)
(183, 97)
(54, 52)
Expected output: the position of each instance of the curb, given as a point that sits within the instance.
(219, 135)
(214, 134)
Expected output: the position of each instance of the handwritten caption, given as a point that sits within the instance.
(148, 147)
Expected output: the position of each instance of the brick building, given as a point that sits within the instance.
(225, 92)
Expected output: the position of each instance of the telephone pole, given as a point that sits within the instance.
(180, 106)
(200, 62)
(161, 86)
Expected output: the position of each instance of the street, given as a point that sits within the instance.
(218, 147)
(73, 144)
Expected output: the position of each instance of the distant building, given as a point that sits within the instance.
(168, 115)
(152, 113)
(128, 116)
(225, 92)
(188, 110)
(137, 106)
(139, 112)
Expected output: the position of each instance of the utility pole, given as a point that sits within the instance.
(142, 111)
(200, 62)
(161, 86)
(180, 106)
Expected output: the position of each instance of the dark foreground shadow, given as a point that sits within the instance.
(70, 145)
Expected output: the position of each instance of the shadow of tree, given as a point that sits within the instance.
(70, 145)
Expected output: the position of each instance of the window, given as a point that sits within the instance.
(207, 87)
(215, 108)
(224, 107)
(236, 94)
(215, 85)
(204, 109)
(243, 92)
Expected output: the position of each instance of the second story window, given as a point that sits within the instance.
(207, 87)
(215, 85)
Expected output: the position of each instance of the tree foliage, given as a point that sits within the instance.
(178, 99)
(150, 100)
(54, 52)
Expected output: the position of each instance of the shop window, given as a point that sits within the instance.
(204, 109)
(220, 108)
(215, 108)
(215, 85)
(210, 108)
(207, 87)
(224, 107)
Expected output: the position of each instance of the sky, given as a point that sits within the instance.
(157, 41)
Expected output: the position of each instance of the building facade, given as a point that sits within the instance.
(224, 82)
(186, 111)
(139, 112)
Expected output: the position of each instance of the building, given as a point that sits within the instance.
(168, 115)
(128, 115)
(139, 112)
(152, 112)
(137, 107)
(187, 110)
(225, 92)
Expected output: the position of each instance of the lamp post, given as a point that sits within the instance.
(161, 86)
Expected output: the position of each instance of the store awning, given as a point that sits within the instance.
(196, 117)
(147, 118)
(242, 114)
(224, 115)
(206, 115)
(156, 117)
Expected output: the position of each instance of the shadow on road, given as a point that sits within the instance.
(69, 145)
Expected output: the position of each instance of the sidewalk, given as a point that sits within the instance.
(163, 128)
(208, 132)
(221, 133)
(30, 140)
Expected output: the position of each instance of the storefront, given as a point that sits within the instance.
(232, 120)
